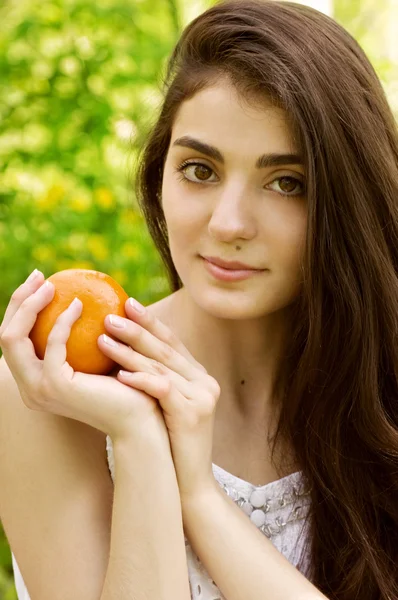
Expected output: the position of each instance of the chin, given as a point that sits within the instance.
(233, 307)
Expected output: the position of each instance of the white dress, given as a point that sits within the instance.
(278, 509)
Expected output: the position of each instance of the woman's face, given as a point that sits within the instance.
(218, 202)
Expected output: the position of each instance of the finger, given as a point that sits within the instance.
(160, 331)
(157, 328)
(160, 388)
(150, 347)
(135, 362)
(33, 282)
(17, 347)
(55, 354)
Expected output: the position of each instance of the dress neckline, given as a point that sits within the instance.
(288, 479)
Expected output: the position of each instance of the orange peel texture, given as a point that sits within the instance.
(101, 295)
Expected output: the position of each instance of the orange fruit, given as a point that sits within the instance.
(101, 295)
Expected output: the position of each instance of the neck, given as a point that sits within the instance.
(244, 356)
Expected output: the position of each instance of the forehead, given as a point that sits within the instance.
(219, 115)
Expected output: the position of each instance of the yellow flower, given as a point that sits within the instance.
(119, 276)
(51, 198)
(63, 264)
(130, 216)
(75, 241)
(98, 247)
(84, 264)
(43, 253)
(130, 250)
(80, 203)
(104, 198)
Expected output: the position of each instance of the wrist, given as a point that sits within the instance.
(146, 444)
(193, 503)
(143, 460)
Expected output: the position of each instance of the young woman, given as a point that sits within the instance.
(253, 442)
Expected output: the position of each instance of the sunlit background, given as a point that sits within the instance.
(79, 87)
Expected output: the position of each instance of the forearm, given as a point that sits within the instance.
(241, 560)
(147, 550)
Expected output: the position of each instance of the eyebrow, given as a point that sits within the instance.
(264, 161)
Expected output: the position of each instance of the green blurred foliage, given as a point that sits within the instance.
(371, 23)
(79, 88)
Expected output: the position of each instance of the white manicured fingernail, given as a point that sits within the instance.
(109, 341)
(76, 302)
(137, 306)
(32, 276)
(117, 321)
(125, 373)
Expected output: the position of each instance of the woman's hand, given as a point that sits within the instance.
(159, 364)
(51, 384)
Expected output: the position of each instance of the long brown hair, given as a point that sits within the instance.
(340, 391)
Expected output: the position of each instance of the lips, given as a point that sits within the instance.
(230, 265)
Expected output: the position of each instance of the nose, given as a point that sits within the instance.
(232, 214)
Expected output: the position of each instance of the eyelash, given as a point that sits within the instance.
(188, 163)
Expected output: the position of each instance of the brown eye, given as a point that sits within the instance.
(195, 172)
(288, 184)
(200, 171)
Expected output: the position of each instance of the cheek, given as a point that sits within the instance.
(183, 212)
(172, 196)
(285, 236)
(295, 257)
(182, 225)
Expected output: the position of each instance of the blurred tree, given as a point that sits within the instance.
(78, 90)
(370, 23)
